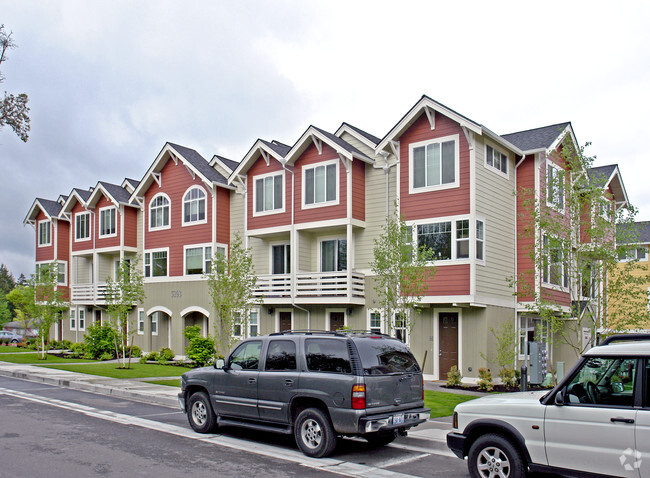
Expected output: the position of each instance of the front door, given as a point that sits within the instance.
(98, 317)
(337, 320)
(448, 333)
(285, 321)
(235, 391)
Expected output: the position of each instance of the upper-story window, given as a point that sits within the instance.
(433, 164)
(194, 206)
(496, 159)
(637, 253)
(82, 226)
(554, 186)
(480, 240)
(198, 258)
(159, 212)
(269, 193)
(107, 222)
(447, 240)
(320, 184)
(553, 270)
(44, 233)
(155, 263)
(334, 255)
(280, 259)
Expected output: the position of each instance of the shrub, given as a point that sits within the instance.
(166, 355)
(485, 380)
(136, 351)
(143, 359)
(152, 356)
(106, 356)
(201, 349)
(100, 341)
(508, 376)
(454, 377)
(78, 350)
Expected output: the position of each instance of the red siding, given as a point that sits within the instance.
(449, 280)
(107, 241)
(359, 190)
(271, 220)
(446, 202)
(82, 245)
(557, 296)
(44, 253)
(175, 180)
(130, 227)
(525, 225)
(63, 241)
(311, 156)
(223, 215)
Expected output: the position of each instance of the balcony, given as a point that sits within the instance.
(312, 288)
(88, 294)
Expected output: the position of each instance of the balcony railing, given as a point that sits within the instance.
(316, 287)
(89, 294)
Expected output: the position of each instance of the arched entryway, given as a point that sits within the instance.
(194, 316)
(159, 336)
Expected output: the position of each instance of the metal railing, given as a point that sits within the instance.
(311, 285)
(88, 293)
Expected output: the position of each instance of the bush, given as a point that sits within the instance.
(201, 349)
(107, 356)
(166, 355)
(508, 376)
(100, 341)
(78, 350)
(454, 377)
(136, 351)
(485, 380)
(152, 356)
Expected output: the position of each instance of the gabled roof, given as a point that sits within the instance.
(228, 163)
(50, 208)
(367, 138)
(280, 148)
(313, 134)
(76, 195)
(62, 199)
(130, 183)
(538, 138)
(640, 232)
(200, 164)
(262, 148)
(644, 231)
(609, 176)
(113, 192)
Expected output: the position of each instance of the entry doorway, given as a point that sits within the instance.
(98, 317)
(336, 320)
(285, 320)
(448, 343)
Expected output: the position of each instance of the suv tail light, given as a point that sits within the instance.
(423, 389)
(358, 396)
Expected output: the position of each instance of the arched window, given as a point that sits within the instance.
(159, 212)
(194, 205)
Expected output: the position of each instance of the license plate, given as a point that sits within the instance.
(397, 419)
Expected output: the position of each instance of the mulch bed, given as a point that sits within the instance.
(497, 388)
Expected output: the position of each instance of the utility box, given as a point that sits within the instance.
(538, 364)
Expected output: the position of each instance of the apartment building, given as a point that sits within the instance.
(310, 214)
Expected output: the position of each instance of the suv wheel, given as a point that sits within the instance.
(314, 433)
(492, 455)
(200, 413)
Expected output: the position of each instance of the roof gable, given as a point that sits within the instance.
(50, 208)
(113, 192)
(77, 195)
(366, 138)
(318, 136)
(536, 139)
(609, 176)
(262, 149)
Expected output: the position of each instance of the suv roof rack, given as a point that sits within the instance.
(339, 332)
(625, 338)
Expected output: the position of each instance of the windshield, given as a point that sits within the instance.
(382, 357)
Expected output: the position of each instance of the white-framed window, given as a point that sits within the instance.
(241, 328)
(480, 240)
(495, 159)
(400, 327)
(82, 319)
(433, 164)
(462, 239)
(437, 238)
(108, 221)
(82, 227)
(268, 195)
(73, 319)
(553, 269)
(44, 233)
(253, 322)
(159, 212)
(320, 184)
(333, 255)
(58, 269)
(375, 324)
(140, 321)
(554, 186)
(156, 263)
(154, 323)
(630, 254)
(280, 259)
(198, 258)
(531, 329)
(194, 206)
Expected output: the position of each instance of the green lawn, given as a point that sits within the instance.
(442, 403)
(32, 358)
(137, 370)
(175, 382)
(8, 349)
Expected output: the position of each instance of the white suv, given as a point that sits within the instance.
(596, 422)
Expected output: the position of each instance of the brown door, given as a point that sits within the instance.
(337, 320)
(98, 317)
(448, 327)
(285, 321)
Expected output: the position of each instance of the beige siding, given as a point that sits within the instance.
(139, 232)
(82, 267)
(306, 259)
(105, 266)
(236, 214)
(260, 253)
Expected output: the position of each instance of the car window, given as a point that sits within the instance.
(381, 357)
(281, 355)
(327, 355)
(604, 381)
(246, 356)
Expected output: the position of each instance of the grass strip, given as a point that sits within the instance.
(176, 382)
(442, 403)
(112, 370)
(32, 358)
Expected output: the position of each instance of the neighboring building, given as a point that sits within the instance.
(310, 214)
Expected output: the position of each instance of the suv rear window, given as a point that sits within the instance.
(382, 356)
(327, 355)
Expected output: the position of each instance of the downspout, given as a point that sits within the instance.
(292, 275)
(386, 167)
(515, 298)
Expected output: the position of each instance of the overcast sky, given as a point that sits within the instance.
(110, 82)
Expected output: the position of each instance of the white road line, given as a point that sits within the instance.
(430, 451)
(401, 461)
(161, 414)
(326, 464)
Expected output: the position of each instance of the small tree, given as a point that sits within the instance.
(13, 109)
(122, 294)
(402, 271)
(231, 281)
(506, 348)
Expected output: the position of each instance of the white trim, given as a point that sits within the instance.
(147, 215)
(335, 309)
(99, 230)
(200, 246)
(453, 220)
(159, 308)
(551, 204)
(481, 262)
(330, 223)
(491, 167)
(155, 320)
(49, 235)
(382, 319)
(194, 308)
(205, 213)
(81, 311)
(246, 163)
(90, 229)
(325, 203)
(140, 310)
(99, 250)
(57, 262)
(346, 128)
(441, 186)
(269, 212)
(144, 261)
(73, 310)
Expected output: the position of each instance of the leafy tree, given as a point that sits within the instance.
(13, 108)
(22, 298)
(201, 349)
(402, 271)
(122, 294)
(7, 284)
(505, 337)
(231, 281)
(5, 312)
(575, 228)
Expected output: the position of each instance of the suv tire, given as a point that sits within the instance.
(200, 413)
(314, 433)
(494, 455)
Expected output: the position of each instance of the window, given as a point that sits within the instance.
(326, 355)
(462, 239)
(198, 260)
(82, 226)
(246, 328)
(246, 356)
(496, 159)
(374, 321)
(269, 193)
(253, 323)
(553, 269)
(480, 240)
(155, 264)
(382, 357)
(433, 164)
(637, 253)
(320, 184)
(281, 259)
(44, 233)
(554, 187)
(61, 269)
(140, 322)
(531, 330)
(194, 206)
(107, 222)
(73, 319)
(281, 355)
(159, 212)
(604, 381)
(400, 326)
(333, 255)
(437, 238)
(82, 319)
(154, 323)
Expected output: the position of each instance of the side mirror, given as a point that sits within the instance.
(559, 398)
(220, 364)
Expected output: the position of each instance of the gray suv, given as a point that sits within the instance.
(314, 385)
